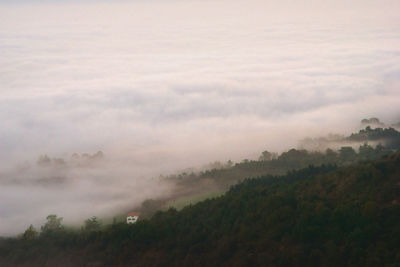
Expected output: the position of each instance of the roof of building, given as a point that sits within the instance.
(133, 213)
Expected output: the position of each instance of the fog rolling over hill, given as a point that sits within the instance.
(82, 185)
(159, 86)
(236, 133)
(76, 188)
(317, 216)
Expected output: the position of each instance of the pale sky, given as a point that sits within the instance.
(163, 85)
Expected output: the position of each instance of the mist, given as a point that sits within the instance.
(74, 188)
(160, 86)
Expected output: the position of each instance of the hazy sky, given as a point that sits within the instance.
(162, 85)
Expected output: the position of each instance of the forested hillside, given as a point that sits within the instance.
(367, 144)
(317, 216)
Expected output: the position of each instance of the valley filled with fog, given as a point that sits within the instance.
(161, 86)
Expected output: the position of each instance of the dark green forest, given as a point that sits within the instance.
(367, 144)
(316, 216)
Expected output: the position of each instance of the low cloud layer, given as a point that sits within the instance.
(166, 85)
(74, 188)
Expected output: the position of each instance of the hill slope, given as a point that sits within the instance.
(318, 216)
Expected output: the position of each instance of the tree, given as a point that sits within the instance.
(379, 148)
(331, 155)
(347, 153)
(53, 224)
(98, 155)
(30, 233)
(372, 121)
(92, 224)
(44, 161)
(366, 152)
(266, 155)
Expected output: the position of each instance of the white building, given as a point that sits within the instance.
(132, 217)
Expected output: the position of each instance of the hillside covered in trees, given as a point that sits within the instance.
(317, 216)
(367, 144)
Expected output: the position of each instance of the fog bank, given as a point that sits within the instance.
(164, 85)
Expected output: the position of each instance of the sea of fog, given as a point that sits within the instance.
(158, 86)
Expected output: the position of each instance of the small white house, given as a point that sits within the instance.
(132, 217)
